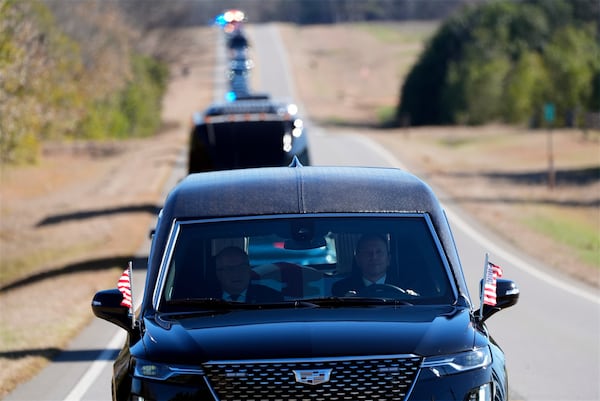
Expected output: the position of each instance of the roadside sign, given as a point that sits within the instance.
(549, 117)
(549, 112)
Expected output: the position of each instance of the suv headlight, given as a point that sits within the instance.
(158, 371)
(456, 363)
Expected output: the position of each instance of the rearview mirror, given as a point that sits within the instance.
(297, 245)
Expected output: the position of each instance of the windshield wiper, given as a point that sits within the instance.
(191, 305)
(213, 303)
(355, 301)
(218, 303)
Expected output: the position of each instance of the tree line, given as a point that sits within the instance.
(303, 12)
(83, 70)
(86, 72)
(506, 61)
(72, 73)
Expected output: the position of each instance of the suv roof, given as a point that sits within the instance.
(301, 189)
(244, 109)
(246, 104)
(304, 190)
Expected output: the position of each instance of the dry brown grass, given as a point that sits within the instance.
(345, 74)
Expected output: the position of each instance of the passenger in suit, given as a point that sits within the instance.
(233, 274)
(372, 259)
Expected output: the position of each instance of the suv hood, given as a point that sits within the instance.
(308, 333)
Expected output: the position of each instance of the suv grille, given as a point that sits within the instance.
(387, 378)
(246, 106)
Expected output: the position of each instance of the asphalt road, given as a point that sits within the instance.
(551, 337)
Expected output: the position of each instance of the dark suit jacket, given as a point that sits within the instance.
(256, 293)
(354, 283)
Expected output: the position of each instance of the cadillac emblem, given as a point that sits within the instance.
(312, 376)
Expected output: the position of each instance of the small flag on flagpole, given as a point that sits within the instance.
(124, 286)
(492, 272)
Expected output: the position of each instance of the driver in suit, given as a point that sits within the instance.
(372, 257)
(233, 274)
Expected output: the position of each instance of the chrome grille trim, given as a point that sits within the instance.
(373, 378)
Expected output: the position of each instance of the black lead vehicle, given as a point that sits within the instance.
(322, 334)
(251, 131)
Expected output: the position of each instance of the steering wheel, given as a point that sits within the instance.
(383, 291)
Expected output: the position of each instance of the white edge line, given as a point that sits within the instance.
(96, 368)
(485, 242)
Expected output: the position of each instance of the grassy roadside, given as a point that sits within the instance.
(569, 230)
(73, 245)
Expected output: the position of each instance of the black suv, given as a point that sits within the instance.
(252, 131)
(302, 237)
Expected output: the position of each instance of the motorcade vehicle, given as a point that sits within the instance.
(237, 40)
(419, 337)
(251, 131)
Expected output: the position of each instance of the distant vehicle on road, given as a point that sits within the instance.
(237, 41)
(251, 131)
(415, 336)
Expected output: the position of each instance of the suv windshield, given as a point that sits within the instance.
(288, 258)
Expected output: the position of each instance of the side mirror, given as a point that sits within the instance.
(107, 305)
(507, 295)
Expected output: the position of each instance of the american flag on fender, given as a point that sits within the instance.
(492, 272)
(124, 286)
